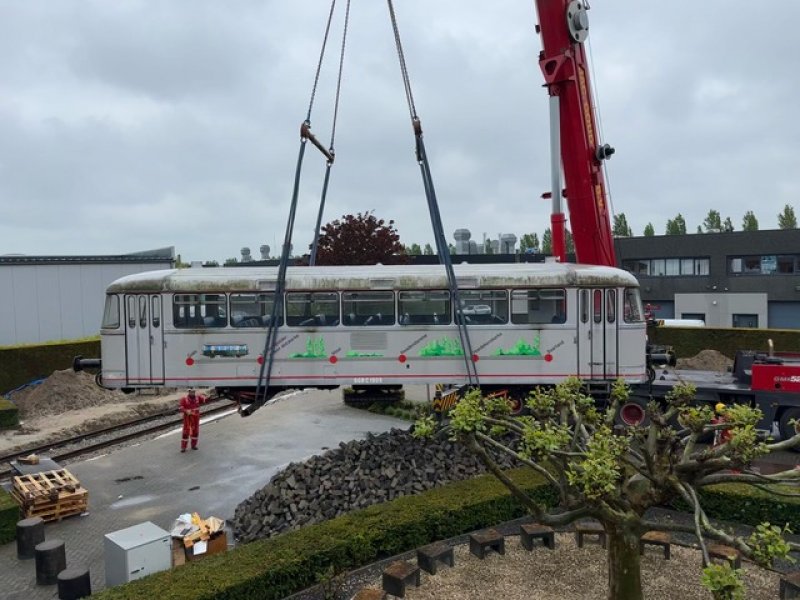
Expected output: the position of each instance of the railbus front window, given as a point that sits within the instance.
(538, 306)
(632, 308)
(368, 308)
(253, 310)
(316, 309)
(428, 307)
(111, 312)
(484, 307)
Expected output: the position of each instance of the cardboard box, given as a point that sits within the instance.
(214, 545)
(178, 552)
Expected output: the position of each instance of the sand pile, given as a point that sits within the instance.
(61, 392)
(706, 360)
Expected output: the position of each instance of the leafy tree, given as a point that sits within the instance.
(699, 229)
(749, 222)
(569, 242)
(605, 470)
(529, 242)
(786, 219)
(179, 264)
(713, 222)
(621, 227)
(231, 261)
(414, 250)
(211, 263)
(547, 242)
(649, 230)
(676, 226)
(360, 239)
(428, 250)
(487, 246)
(451, 248)
(727, 226)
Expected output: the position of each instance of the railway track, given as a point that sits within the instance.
(70, 448)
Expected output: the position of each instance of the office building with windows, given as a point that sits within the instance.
(732, 279)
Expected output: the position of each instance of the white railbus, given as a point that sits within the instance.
(382, 326)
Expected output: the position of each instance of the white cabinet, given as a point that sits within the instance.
(135, 552)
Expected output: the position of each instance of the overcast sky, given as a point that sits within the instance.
(127, 125)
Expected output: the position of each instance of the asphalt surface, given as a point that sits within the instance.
(153, 481)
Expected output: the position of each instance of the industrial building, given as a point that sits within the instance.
(730, 279)
(48, 298)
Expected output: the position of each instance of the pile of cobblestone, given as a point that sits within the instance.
(355, 475)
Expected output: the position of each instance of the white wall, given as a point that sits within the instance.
(719, 308)
(48, 302)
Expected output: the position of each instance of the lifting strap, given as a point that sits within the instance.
(276, 316)
(433, 208)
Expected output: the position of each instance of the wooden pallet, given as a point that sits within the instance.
(51, 495)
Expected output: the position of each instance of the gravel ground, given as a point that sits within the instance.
(566, 572)
(572, 572)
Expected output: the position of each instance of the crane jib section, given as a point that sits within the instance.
(563, 26)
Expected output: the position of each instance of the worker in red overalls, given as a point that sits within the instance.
(190, 407)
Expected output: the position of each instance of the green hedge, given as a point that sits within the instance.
(278, 567)
(9, 414)
(689, 341)
(288, 563)
(9, 515)
(22, 364)
(744, 504)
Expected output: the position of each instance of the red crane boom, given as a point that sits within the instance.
(563, 26)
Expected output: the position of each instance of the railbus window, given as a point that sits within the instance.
(538, 306)
(611, 306)
(584, 306)
(597, 303)
(192, 311)
(429, 307)
(368, 308)
(632, 308)
(111, 312)
(253, 310)
(155, 311)
(484, 307)
(315, 309)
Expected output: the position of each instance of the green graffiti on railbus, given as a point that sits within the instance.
(315, 348)
(521, 348)
(442, 347)
(355, 354)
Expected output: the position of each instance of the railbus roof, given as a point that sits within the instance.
(373, 277)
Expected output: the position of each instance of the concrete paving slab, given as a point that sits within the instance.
(153, 481)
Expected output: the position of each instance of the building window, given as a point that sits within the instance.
(694, 316)
(767, 264)
(745, 320)
(667, 267)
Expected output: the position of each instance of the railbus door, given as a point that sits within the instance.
(144, 339)
(597, 315)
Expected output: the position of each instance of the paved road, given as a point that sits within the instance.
(154, 482)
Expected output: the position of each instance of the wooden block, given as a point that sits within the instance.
(590, 528)
(656, 538)
(724, 552)
(530, 532)
(790, 586)
(397, 575)
(429, 556)
(481, 543)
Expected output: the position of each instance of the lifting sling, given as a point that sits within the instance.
(265, 371)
